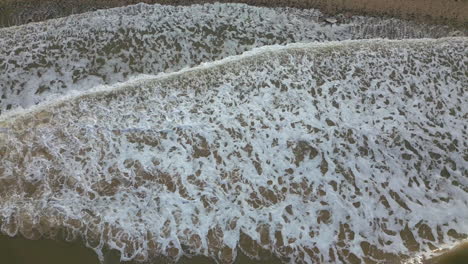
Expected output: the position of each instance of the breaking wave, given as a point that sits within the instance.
(40, 60)
(336, 152)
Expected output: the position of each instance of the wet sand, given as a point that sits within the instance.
(454, 12)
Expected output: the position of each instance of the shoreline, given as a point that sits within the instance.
(456, 255)
(58, 251)
(453, 12)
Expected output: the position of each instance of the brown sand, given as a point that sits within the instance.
(453, 12)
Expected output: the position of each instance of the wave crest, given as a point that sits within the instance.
(313, 153)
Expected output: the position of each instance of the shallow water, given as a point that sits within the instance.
(457, 255)
(41, 60)
(25, 251)
(334, 152)
(18, 250)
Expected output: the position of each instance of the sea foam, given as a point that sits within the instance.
(333, 152)
(40, 61)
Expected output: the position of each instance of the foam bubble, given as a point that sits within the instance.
(40, 60)
(333, 152)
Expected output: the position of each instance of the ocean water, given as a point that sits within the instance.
(40, 61)
(335, 152)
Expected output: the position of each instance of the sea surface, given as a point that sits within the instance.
(39, 61)
(218, 131)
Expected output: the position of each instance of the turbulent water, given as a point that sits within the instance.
(40, 60)
(338, 152)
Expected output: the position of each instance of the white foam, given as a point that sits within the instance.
(194, 151)
(109, 46)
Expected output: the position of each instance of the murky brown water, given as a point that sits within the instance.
(23, 251)
(18, 250)
(458, 255)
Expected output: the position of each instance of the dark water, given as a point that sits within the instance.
(18, 250)
(457, 255)
(22, 251)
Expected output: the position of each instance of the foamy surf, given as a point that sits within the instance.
(43, 60)
(315, 153)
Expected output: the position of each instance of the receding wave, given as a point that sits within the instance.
(339, 152)
(40, 60)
